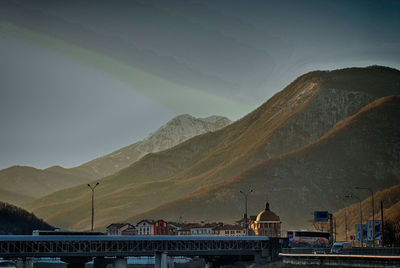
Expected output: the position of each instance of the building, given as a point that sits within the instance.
(250, 224)
(205, 229)
(229, 230)
(121, 229)
(175, 227)
(267, 223)
(187, 228)
(145, 227)
(161, 227)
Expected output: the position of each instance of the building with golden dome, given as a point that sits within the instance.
(267, 223)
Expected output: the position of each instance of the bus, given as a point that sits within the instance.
(305, 238)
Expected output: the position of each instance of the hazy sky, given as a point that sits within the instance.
(79, 79)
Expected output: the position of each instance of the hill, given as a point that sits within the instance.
(391, 207)
(21, 184)
(295, 117)
(306, 180)
(14, 220)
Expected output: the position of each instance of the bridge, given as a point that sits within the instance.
(77, 250)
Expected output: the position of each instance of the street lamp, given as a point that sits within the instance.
(361, 226)
(345, 215)
(246, 194)
(373, 210)
(92, 188)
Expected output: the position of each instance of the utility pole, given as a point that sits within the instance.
(330, 216)
(246, 226)
(382, 222)
(361, 225)
(373, 210)
(92, 188)
(345, 215)
(345, 221)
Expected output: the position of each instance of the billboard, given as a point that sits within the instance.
(358, 232)
(377, 230)
(321, 216)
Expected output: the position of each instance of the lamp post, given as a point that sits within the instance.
(246, 194)
(361, 225)
(92, 188)
(345, 217)
(373, 210)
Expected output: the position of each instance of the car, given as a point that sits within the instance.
(338, 247)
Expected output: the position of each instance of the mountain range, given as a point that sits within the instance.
(324, 131)
(174, 132)
(20, 184)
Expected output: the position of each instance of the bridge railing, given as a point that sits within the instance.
(135, 246)
(347, 251)
(372, 251)
(305, 250)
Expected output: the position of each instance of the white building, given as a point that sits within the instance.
(206, 229)
(145, 227)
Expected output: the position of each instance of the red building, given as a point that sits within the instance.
(161, 228)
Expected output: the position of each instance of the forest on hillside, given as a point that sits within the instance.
(14, 220)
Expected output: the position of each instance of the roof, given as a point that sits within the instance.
(267, 215)
(118, 225)
(146, 220)
(189, 226)
(176, 224)
(207, 225)
(229, 227)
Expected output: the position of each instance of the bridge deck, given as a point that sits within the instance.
(124, 246)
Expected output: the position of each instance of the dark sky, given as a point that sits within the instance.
(79, 79)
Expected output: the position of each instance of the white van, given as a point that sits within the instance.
(338, 247)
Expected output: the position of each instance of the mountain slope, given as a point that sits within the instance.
(391, 207)
(177, 130)
(297, 116)
(16, 221)
(361, 150)
(23, 184)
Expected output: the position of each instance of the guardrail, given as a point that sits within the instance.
(346, 251)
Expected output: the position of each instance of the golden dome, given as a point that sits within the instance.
(267, 215)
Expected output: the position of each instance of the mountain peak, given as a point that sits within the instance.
(175, 131)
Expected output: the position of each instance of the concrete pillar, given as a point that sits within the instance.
(28, 263)
(164, 260)
(120, 263)
(19, 264)
(157, 260)
(161, 260)
(171, 263)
